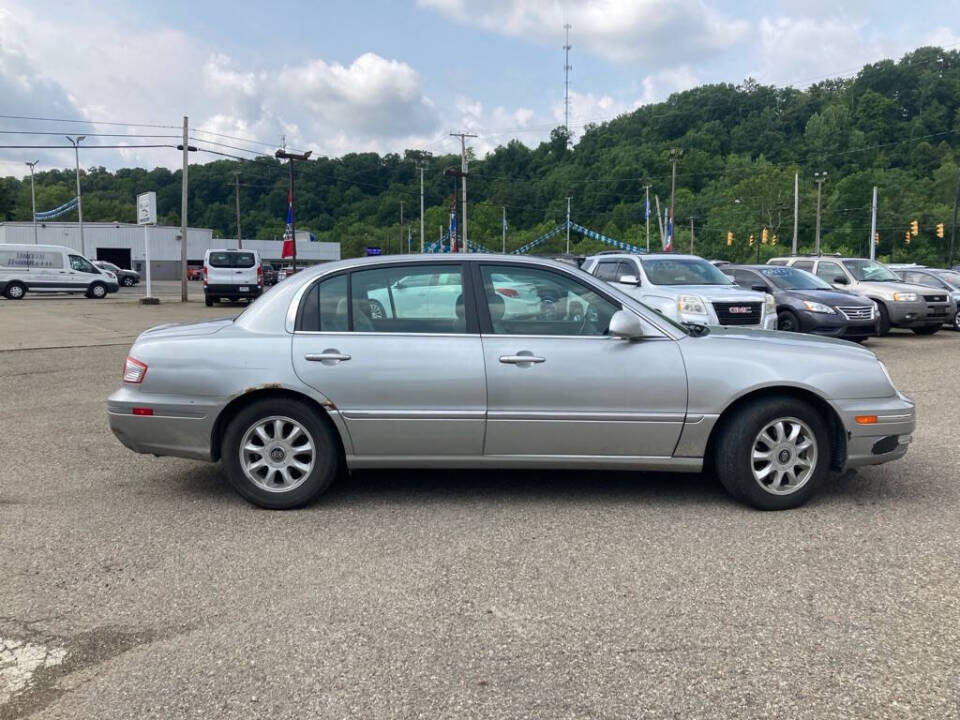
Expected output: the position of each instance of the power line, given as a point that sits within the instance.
(86, 147)
(58, 132)
(88, 122)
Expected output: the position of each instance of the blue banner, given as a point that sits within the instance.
(69, 205)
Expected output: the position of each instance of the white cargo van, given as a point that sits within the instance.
(231, 275)
(51, 268)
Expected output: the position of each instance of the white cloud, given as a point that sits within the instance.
(655, 32)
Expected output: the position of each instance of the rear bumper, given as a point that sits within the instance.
(232, 291)
(883, 441)
(179, 427)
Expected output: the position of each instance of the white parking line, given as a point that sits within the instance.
(19, 661)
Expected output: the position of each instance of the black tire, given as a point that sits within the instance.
(97, 291)
(208, 301)
(956, 321)
(927, 329)
(15, 291)
(788, 321)
(326, 464)
(735, 443)
(883, 325)
(127, 281)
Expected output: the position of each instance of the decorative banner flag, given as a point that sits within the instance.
(289, 240)
(646, 209)
(69, 205)
(668, 239)
(453, 223)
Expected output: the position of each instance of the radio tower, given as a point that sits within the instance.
(566, 83)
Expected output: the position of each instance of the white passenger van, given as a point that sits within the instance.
(231, 275)
(51, 268)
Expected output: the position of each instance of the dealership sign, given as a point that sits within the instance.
(147, 208)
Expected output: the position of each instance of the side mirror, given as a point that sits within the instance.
(840, 280)
(628, 280)
(759, 288)
(626, 325)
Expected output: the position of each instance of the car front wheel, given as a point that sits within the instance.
(788, 321)
(127, 282)
(278, 454)
(773, 453)
(956, 321)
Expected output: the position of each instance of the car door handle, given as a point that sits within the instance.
(521, 359)
(326, 356)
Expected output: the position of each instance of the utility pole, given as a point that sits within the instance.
(184, 182)
(796, 210)
(290, 157)
(691, 235)
(568, 225)
(421, 208)
(33, 200)
(819, 178)
(675, 154)
(463, 178)
(953, 230)
(873, 225)
(646, 211)
(566, 82)
(236, 184)
(76, 152)
(503, 228)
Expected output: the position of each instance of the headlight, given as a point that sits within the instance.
(769, 304)
(818, 307)
(905, 297)
(692, 304)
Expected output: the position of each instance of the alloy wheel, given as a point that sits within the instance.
(277, 454)
(784, 456)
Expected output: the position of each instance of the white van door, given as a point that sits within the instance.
(81, 273)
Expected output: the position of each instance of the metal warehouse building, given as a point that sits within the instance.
(122, 244)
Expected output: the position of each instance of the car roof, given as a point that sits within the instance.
(645, 256)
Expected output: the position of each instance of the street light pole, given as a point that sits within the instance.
(76, 152)
(33, 200)
(290, 157)
(819, 178)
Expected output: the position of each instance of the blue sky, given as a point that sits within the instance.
(339, 77)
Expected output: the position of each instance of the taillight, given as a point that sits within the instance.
(133, 370)
(204, 274)
(508, 292)
(259, 275)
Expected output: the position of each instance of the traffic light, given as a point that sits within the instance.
(763, 236)
(876, 238)
(906, 237)
(750, 243)
(914, 229)
(939, 230)
(729, 238)
(773, 240)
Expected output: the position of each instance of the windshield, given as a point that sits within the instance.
(788, 278)
(231, 260)
(683, 271)
(870, 271)
(950, 278)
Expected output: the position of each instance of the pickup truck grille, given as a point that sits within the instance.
(738, 313)
(857, 312)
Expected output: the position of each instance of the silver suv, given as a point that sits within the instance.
(900, 304)
(684, 288)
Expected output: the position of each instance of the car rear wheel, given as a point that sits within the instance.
(278, 454)
(773, 453)
(97, 291)
(15, 291)
(788, 321)
(926, 329)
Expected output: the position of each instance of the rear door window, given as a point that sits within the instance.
(804, 265)
(607, 270)
(829, 271)
(232, 260)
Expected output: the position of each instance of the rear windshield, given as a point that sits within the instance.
(231, 260)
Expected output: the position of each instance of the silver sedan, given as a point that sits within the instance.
(488, 361)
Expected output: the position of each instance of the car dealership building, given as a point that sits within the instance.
(123, 244)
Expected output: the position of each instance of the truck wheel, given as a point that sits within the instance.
(926, 329)
(773, 453)
(97, 291)
(278, 454)
(883, 327)
(15, 291)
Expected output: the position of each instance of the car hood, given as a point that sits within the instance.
(830, 297)
(712, 292)
(787, 340)
(892, 287)
(208, 327)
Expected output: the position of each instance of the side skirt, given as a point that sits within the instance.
(560, 462)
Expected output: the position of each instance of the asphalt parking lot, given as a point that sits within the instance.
(136, 587)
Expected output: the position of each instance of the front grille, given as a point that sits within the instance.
(857, 312)
(935, 298)
(738, 313)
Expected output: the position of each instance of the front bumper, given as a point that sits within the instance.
(179, 426)
(909, 314)
(836, 325)
(880, 442)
